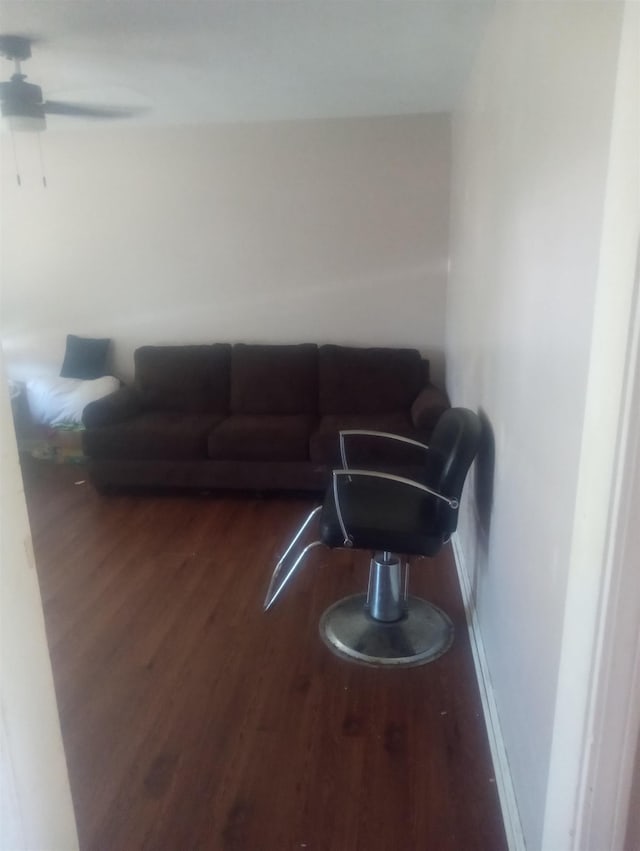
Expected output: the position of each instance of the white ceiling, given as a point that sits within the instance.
(201, 61)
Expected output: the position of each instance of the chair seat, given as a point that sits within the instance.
(384, 515)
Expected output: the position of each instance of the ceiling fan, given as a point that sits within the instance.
(22, 103)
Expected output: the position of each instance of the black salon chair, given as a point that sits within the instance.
(394, 517)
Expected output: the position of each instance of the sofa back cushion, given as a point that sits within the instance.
(368, 381)
(184, 378)
(274, 379)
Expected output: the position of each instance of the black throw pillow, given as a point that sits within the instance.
(85, 357)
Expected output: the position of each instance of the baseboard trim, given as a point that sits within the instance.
(504, 782)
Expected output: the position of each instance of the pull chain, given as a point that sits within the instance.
(44, 178)
(15, 158)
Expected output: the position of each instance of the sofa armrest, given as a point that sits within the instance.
(114, 408)
(428, 407)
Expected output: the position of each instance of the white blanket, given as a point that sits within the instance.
(55, 401)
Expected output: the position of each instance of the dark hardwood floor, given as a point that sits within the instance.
(193, 721)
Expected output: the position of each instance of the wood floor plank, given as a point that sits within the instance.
(193, 721)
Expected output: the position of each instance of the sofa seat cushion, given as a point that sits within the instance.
(362, 450)
(262, 438)
(165, 435)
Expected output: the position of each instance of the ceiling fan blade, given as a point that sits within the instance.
(77, 110)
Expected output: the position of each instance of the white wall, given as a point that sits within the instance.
(597, 715)
(328, 231)
(36, 812)
(530, 155)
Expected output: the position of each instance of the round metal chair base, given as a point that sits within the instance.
(350, 632)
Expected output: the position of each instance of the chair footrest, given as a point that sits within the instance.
(289, 563)
(421, 636)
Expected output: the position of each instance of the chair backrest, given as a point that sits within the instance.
(456, 440)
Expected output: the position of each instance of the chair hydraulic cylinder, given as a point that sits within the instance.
(386, 599)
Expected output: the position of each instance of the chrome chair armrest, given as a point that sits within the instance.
(385, 435)
(374, 474)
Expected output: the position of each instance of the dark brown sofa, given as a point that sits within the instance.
(257, 416)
